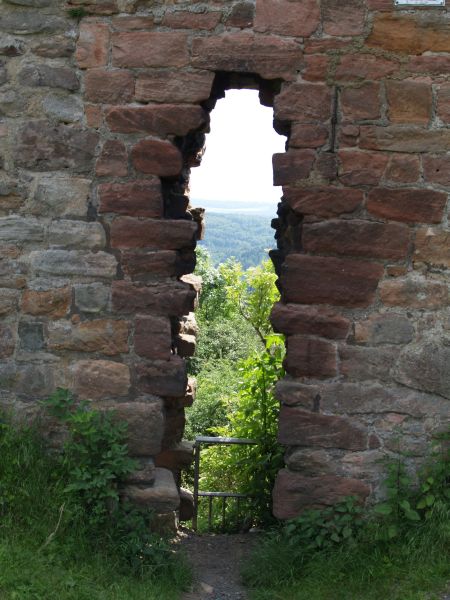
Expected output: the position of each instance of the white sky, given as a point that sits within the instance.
(237, 164)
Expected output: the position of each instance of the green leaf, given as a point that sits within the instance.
(383, 509)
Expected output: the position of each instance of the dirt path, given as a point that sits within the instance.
(216, 561)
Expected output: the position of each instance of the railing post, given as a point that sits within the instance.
(196, 483)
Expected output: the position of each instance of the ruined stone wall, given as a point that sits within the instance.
(103, 112)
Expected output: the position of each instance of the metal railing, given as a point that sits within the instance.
(211, 495)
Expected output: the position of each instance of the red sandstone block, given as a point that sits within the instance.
(335, 281)
(132, 23)
(361, 103)
(109, 87)
(160, 120)
(323, 45)
(316, 68)
(433, 247)
(323, 202)
(304, 102)
(94, 115)
(157, 157)
(308, 136)
(174, 86)
(165, 378)
(403, 168)
(93, 44)
(310, 357)
(113, 160)
(326, 166)
(434, 64)
(409, 101)
(343, 18)
(301, 427)
(292, 319)
(382, 5)
(414, 293)
(437, 169)
(150, 49)
(297, 19)
(172, 298)
(51, 303)
(359, 67)
(153, 337)
(136, 198)
(269, 56)
(241, 15)
(292, 166)
(361, 168)
(443, 105)
(127, 232)
(143, 265)
(407, 205)
(357, 238)
(191, 20)
(406, 139)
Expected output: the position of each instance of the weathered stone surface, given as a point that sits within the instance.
(127, 232)
(186, 505)
(293, 319)
(150, 49)
(157, 157)
(67, 109)
(11, 46)
(113, 160)
(145, 472)
(42, 75)
(292, 166)
(361, 168)
(414, 292)
(98, 379)
(181, 455)
(174, 86)
(153, 337)
(443, 103)
(323, 202)
(60, 196)
(163, 377)
(93, 44)
(387, 328)
(7, 341)
(161, 497)
(242, 15)
(76, 234)
(403, 168)
(308, 136)
(109, 87)
(437, 169)
(148, 264)
(343, 18)
(21, 230)
(293, 492)
(268, 56)
(55, 47)
(159, 120)
(31, 336)
(360, 363)
(361, 103)
(106, 336)
(400, 138)
(73, 262)
(298, 19)
(44, 147)
(298, 427)
(52, 303)
(8, 301)
(172, 298)
(185, 344)
(407, 205)
(92, 298)
(433, 246)
(304, 102)
(357, 238)
(31, 21)
(409, 101)
(138, 198)
(310, 357)
(360, 67)
(192, 20)
(426, 367)
(319, 280)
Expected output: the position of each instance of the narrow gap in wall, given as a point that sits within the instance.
(237, 358)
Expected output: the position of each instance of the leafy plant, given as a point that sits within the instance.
(77, 12)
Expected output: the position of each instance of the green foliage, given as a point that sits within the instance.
(77, 13)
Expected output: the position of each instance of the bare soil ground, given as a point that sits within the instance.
(216, 561)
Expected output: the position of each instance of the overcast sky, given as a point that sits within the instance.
(237, 164)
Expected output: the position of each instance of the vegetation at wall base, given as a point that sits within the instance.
(63, 536)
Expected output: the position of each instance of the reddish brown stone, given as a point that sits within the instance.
(409, 101)
(8, 301)
(107, 336)
(136, 198)
(323, 202)
(357, 238)
(324, 45)
(435, 64)
(292, 166)
(437, 169)
(157, 157)
(94, 115)
(165, 378)
(443, 104)
(93, 44)
(358, 363)
(109, 87)
(326, 166)
(336, 281)
(7, 341)
(316, 67)
(174, 86)
(299, 427)
(153, 337)
(379, 5)
(384, 328)
(410, 34)
(148, 264)
(173, 298)
(433, 246)
(304, 102)
(343, 18)
(113, 160)
(169, 234)
(297, 19)
(176, 458)
(52, 303)
(294, 493)
(414, 293)
(292, 319)
(241, 15)
(407, 205)
(403, 168)
(361, 168)
(150, 49)
(269, 56)
(310, 357)
(361, 103)
(157, 120)
(402, 138)
(191, 20)
(359, 67)
(98, 379)
(308, 136)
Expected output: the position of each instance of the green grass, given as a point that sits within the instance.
(414, 567)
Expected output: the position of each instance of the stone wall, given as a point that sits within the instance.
(103, 109)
